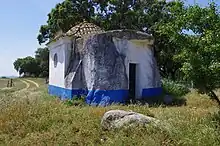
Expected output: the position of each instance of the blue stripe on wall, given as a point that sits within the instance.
(101, 97)
(64, 93)
(106, 97)
(151, 92)
(94, 97)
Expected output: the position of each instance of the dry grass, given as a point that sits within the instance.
(34, 118)
(18, 85)
(3, 83)
(39, 81)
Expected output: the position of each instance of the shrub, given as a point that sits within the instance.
(76, 101)
(174, 89)
(216, 120)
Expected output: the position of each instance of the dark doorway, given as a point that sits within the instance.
(132, 80)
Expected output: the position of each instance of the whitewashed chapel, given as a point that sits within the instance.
(106, 67)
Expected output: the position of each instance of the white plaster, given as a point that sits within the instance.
(140, 53)
(67, 51)
(89, 65)
(61, 41)
(62, 49)
(136, 51)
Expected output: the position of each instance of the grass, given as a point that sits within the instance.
(3, 83)
(39, 81)
(18, 85)
(34, 118)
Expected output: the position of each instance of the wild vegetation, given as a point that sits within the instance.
(32, 117)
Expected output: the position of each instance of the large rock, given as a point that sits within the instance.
(115, 119)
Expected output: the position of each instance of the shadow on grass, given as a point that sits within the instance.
(163, 101)
(173, 94)
(159, 101)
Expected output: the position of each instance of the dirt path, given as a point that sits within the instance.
(36, 84)
(26, 83)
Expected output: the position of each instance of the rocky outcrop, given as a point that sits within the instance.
(115, 119)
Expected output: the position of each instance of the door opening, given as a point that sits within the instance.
(132, 81)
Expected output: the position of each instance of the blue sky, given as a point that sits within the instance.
(19, 26)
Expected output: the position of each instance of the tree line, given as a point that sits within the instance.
(187, 38)
(37, 66)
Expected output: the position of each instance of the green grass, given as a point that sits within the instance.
(34, 118)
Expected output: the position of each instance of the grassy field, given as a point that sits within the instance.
(31, 117)
(18, 85)
(3, 83)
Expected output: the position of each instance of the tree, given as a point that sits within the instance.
(64, 16)
(38, 66)
(201, 54)
(42, 57)
(161, 22)
(27, 66)
(109, 14)
(18, 65)
(120, 14)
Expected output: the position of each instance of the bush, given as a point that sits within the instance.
(172, 95)
(216, 120)
(76, 101)
(174, 89)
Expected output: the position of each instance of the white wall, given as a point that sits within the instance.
(136, 51)
(140, 53)
(57, 74)
(67, 49)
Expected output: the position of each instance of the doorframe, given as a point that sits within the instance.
(136, 74)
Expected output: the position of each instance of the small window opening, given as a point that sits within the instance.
(55, 58)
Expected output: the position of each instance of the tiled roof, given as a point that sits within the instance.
(84, 28)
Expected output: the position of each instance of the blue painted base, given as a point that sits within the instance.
(100, 97)
(106, 97)
(60, 92)
(152, 92)
(64, 93)
(93, 97)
